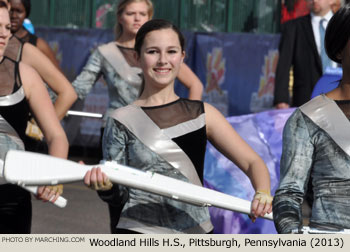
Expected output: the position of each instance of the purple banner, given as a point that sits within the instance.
(263, 132)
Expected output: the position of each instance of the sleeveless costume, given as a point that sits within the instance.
(170, 140)
(316, 147)
(14, 51)
(15, 202)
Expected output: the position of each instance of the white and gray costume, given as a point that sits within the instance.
(170, 140)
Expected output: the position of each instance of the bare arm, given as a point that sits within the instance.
(66, 95)
(221, 134)
(191, 81)
(44, 47)
(44, 113)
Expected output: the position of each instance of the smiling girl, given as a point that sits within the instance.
(161, 132)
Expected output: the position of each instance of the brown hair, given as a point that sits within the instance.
(3, 4)
(118, 29)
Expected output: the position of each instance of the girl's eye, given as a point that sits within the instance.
(152, 51)
(172, 51)
(143, 14)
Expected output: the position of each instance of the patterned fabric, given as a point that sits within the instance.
(145, 212)
(310, 153)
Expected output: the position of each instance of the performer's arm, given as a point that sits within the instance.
(91, 72)
(44, 47)
(66, 95)
(295, 170)
(190, 80)
(44, 113)
(221, 134)
(114, 148)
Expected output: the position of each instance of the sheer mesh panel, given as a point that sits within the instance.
(14, 49)
(345, 107)
(26, 38)
(9, 77)
(174, 113)
(128, 54)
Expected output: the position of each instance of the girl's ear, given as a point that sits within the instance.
(183, 56)
(136, 56)
(339, 57)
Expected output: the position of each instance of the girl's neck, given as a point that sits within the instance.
(126, 41)
(21, 32)
(342, 92)
(155, 97)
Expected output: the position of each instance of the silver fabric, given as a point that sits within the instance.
(328, 116)
(12, 99)
(137, 121)
(185, 128)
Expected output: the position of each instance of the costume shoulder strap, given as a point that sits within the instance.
(326, 114)
(114, 56)
(137, 122)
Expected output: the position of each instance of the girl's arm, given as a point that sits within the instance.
(44, 113)
(221, 134)
(191, 81)
(44, 47)
(66, 95)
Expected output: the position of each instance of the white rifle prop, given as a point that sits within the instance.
(60, 202)
(27, 168)
(83, 114)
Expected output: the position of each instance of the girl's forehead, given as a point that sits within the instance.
(162, 36)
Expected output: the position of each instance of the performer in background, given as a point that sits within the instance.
(21, 91)
(316, 147)
(18, 50)
(38, 55)
(20, 10)
(163, 133)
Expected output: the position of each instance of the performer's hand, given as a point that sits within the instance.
(282, 105)
(49, 193)
(261, 204)
(97, 180)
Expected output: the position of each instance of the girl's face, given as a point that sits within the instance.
(161, 57)
(17, 14)
(5, 30)
(133, 17)
(345, 56)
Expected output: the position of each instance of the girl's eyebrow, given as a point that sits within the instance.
(156, 47)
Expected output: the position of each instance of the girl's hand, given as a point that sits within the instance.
(97, 180)
(261, 204)
(49, 193)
